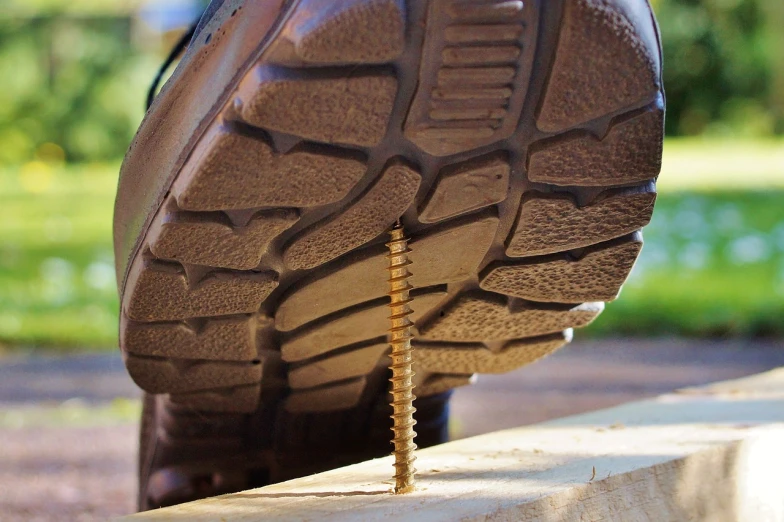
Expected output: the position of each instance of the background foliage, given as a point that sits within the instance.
(724, 72)
(77, 78)
(75, 75)
(70, 82)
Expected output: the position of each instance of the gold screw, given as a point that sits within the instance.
(402, 361)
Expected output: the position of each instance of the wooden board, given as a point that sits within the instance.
(704, 454)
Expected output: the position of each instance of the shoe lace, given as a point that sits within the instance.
(175, 53)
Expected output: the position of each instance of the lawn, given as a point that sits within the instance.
(57, 284)
(713, 263)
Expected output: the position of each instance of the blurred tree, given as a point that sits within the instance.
(774, 11)
(720, 59)
(67, 83)
(75, 72)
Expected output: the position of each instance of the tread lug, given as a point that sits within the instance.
(369, 217)
(229, 170)
(630, 153)
(239, 399)
(479, 359)
(623, 69)
(224, 339)
(597, 276)
(356, 363)
(214, 243)
(481, 317)
(467, 187)
(183, 376)
(463, 55)
(331, 398)
(548, 224)
(159, 292)
(359, 281)
(343, 32)
(353, 327)
(353, 110)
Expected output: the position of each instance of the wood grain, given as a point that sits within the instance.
(702, 454)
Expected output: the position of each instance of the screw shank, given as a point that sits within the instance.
(400, 335)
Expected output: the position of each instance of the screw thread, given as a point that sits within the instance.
(402, 361)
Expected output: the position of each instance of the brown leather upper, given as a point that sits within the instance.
(187, 103)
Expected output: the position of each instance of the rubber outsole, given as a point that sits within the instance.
(519, 144)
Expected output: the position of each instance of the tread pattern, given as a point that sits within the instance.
(162, 292)
(358, 281)
(623, 69)
(467, 187)
(598, 275)
(483, 317)
(554, 223)
(368, 218)
(342, 33)
(466, 358)
(229, 170)
(353, 110)
(472, 81)
(216, 242)
(634, 149)
(523, 164)
(349, 328)
(220, 339)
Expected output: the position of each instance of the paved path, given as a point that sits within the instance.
(66, 455)
(90, 378)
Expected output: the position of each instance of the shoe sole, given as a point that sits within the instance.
(518, 143)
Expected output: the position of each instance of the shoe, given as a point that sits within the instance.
(517, 142)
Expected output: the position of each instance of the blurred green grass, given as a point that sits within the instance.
(705, 164)
(71, 413)
(713, 264)
(56, 265)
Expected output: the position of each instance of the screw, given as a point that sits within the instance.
(402, 361)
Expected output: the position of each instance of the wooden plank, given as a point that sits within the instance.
(704, 454)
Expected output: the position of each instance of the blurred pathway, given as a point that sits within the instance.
(68, 430)
(91, 378)
(593, 375)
